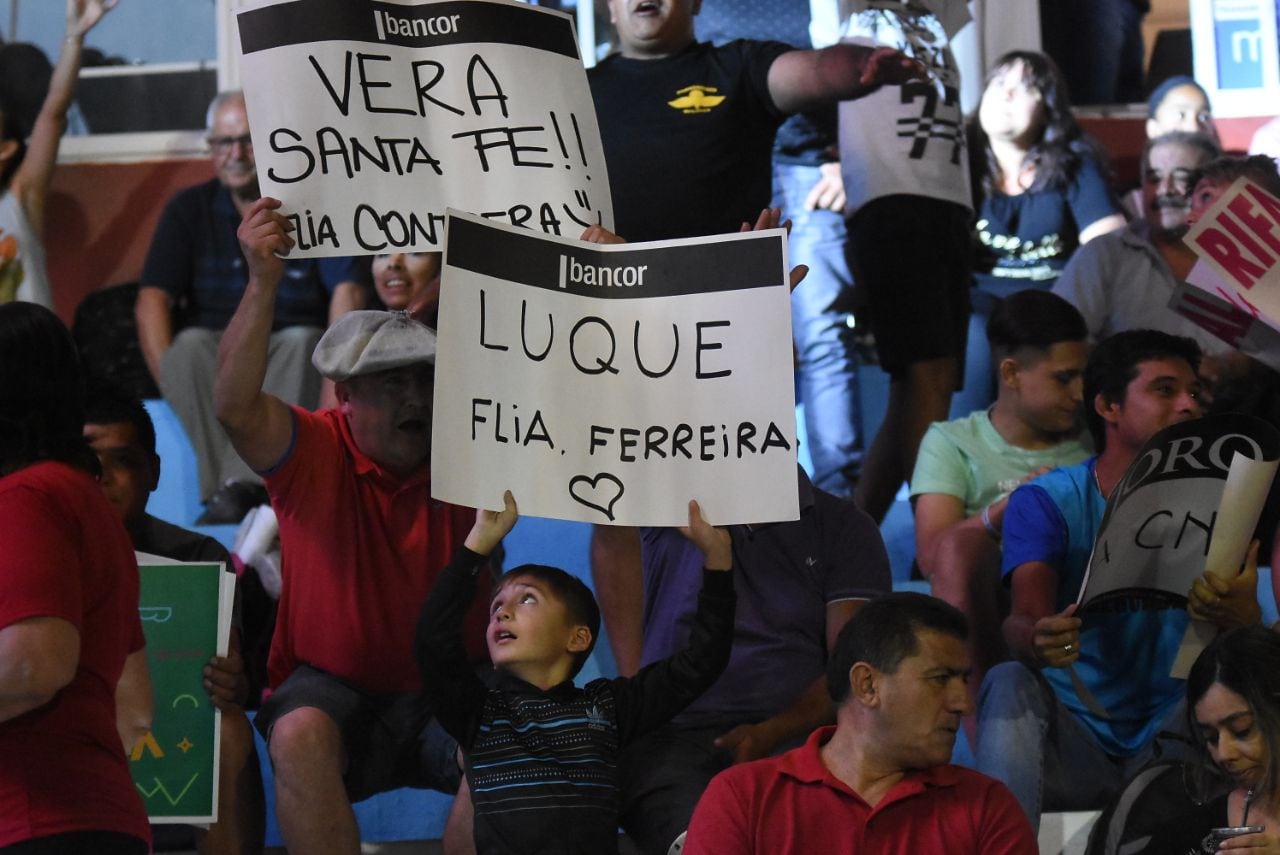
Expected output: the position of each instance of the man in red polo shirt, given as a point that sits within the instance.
(362, 542)
(897, 674)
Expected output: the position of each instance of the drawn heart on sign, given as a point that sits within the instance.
(590, 492)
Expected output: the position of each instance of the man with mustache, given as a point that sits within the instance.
(879, 780)
(363, 543)
(1124, 280)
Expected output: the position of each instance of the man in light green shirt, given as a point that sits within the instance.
(967, 467)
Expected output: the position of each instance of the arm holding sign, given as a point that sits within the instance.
(260, 425)
(225, 679)
(1035, 548)
(1033, 630)
(618, 576)
(662, 689)
(449, 683)
(1228, 603)
(771, 218)
(599, 234)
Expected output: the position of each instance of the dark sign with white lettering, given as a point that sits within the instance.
(1163, 516)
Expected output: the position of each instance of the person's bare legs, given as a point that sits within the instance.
(919, 397)
(459, 828)
(967, 575)
(241, 826)
(311, 802)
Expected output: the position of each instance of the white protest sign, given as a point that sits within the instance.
(1243, 496)
(1199, 301)
(611, 384)
(1163, 516)
(370, 118)
(1239, 237)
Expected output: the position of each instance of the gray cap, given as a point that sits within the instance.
(363, 342)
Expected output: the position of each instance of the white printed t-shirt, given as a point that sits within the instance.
(906, 139)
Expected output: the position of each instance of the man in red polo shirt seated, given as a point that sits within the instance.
(897, 674)
(362, 542)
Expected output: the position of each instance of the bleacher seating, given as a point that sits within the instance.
(408, 814)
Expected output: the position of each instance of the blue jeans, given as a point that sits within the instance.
(822, 325)
(1041, 751)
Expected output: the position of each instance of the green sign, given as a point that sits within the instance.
(186, 614)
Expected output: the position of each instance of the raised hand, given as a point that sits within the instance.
(771, 218)
(715, 543)
(491, 526)
(264, 237)
(83, 15)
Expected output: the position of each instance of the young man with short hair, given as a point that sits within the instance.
(124, 438)
(1039, 730)
(967, 467)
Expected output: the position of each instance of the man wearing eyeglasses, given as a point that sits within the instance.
(191, 284)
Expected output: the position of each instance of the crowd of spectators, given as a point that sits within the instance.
(773, 695)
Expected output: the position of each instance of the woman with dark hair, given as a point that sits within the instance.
(1233, 705)
(74, 690)
(1040, 191)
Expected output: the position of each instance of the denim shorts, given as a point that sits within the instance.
(391, 741)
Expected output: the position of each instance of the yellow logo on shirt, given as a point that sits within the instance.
(696, 99)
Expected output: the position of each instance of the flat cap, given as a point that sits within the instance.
(365, 341)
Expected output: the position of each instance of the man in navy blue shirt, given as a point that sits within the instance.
(191, 284)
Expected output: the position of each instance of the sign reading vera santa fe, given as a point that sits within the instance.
(612, 384)
(1239, 237)
(370, 118)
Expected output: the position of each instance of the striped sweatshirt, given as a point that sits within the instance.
(542, 765)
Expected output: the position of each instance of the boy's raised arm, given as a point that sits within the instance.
(452, 689)
(662, 689)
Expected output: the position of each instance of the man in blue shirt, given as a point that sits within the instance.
(1068, 739)
(192, 282)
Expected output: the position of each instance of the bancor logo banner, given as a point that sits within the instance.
(612, 384)
(370, 118)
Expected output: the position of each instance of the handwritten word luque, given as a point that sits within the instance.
(592, 344)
